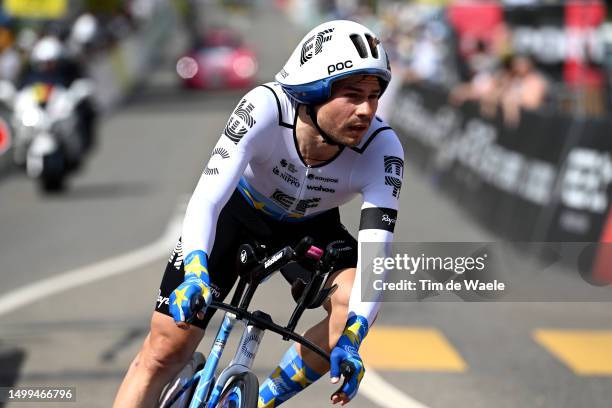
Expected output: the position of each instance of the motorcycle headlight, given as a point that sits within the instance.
(31, 118)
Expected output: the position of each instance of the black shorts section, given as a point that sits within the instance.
(239, 223)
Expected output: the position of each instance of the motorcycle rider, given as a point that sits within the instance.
(50, 64)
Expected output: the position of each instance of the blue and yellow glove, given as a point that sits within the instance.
(195, 284)
(347, 350)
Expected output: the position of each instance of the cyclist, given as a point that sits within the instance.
(292, 151)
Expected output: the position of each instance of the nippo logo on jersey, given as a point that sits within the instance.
(240, 122)
(314, 45)
(5, 136)
(286, 177)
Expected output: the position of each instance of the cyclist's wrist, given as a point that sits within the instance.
(354, 332)
(196, 266)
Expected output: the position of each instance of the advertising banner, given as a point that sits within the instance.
(563, 39)
(548, 179)
(51, 9)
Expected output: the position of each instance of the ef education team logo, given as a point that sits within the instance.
(314, 45)
(218, 154)
(394, 171)
(240, 122)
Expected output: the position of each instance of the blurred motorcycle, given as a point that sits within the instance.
(50, 136)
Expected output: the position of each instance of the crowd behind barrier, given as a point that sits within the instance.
(547, 179)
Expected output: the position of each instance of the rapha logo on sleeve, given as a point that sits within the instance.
(387, 219)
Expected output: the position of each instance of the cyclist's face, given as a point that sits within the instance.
(347, 115)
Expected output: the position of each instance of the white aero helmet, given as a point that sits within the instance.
(46, 49)
(329, 52)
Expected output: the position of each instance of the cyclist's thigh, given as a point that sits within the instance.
(168, 342)
(344, 279)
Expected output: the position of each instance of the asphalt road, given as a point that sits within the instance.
(151, 153)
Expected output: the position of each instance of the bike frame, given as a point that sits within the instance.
(208, 372)
(255, 325)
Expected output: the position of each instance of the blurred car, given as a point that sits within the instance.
(220, 61)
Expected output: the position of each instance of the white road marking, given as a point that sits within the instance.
(383, 394)
(82, 276)
(373, 386)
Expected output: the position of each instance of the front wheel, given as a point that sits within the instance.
(241, 392)
(53, 172)
(185, 375)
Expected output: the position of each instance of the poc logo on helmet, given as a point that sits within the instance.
(339, 66)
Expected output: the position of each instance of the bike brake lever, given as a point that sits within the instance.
(329, 260)
(302, 247)
(347, 370)
(195, 307)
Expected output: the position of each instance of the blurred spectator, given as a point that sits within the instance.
(483, 66)
(515, 87)
(26, 39)
(428, 52)
(523, 89)
(82, 35)
(10, 60)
